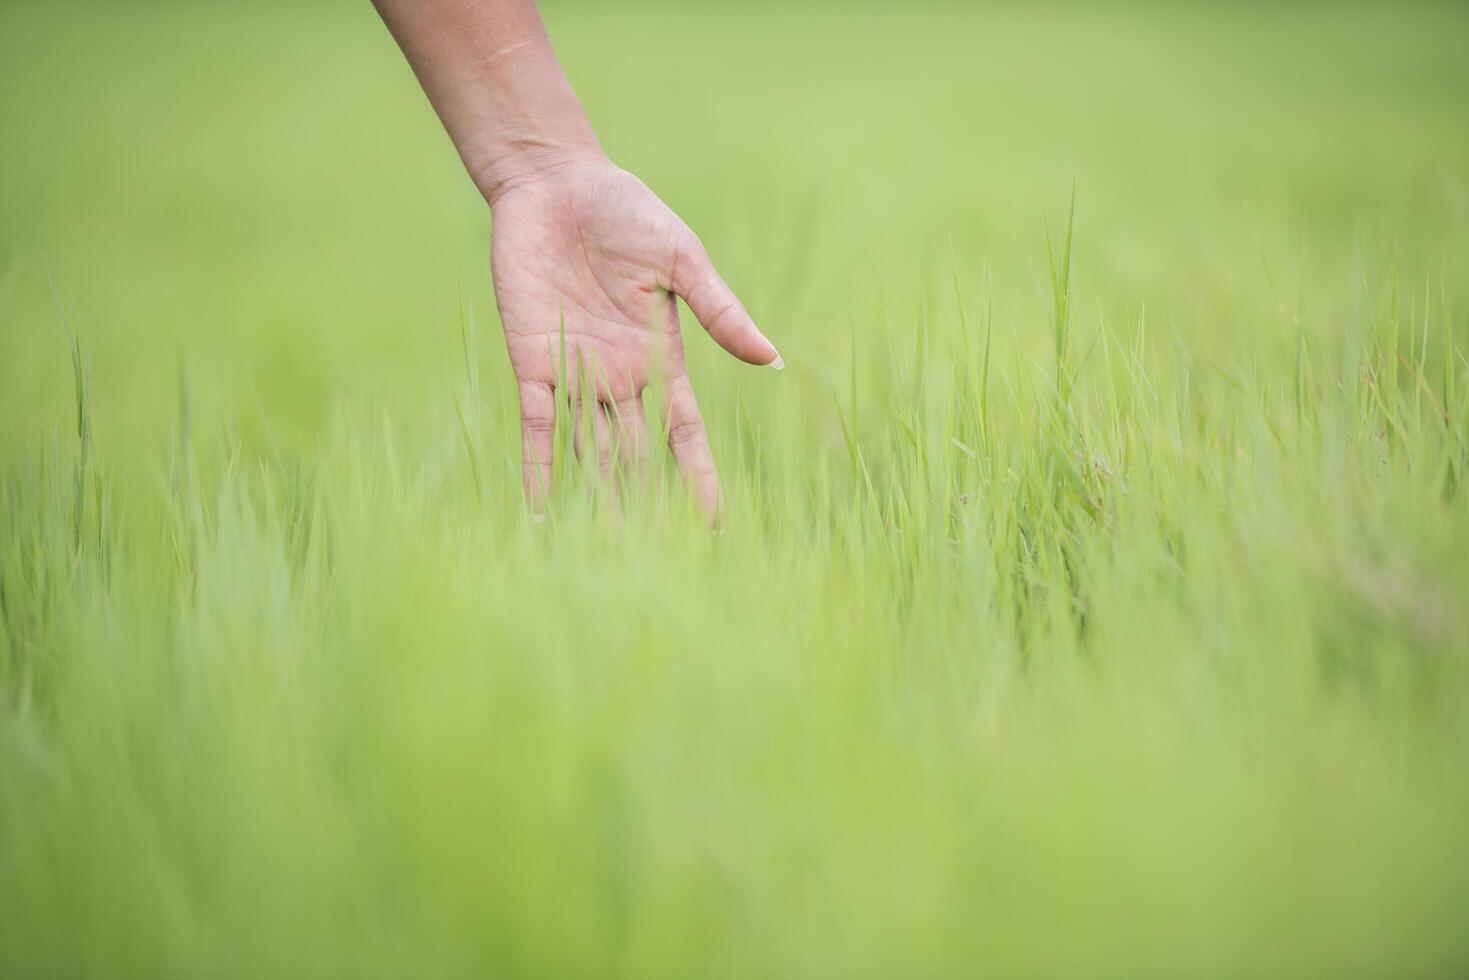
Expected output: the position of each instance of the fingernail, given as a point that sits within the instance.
(779, 364)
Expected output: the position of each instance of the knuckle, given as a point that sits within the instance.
(722, 313)
(686, 432)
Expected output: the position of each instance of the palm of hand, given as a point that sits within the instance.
(591, 247)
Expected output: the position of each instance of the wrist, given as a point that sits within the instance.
(532, 123)
(512, 160)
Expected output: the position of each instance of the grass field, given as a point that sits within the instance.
(1091, 608)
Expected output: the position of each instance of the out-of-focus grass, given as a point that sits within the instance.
(1150, 661)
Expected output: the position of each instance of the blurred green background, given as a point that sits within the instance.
(1164, 676)
(262, 189)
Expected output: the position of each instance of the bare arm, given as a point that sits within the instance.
(574, 237)
(491, 75)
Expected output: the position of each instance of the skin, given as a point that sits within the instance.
(574, 238)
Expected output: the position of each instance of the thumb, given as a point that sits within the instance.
(717, 308)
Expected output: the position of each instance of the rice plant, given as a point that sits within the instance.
(1091, 597)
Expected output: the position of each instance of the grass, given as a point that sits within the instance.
(1093, 597)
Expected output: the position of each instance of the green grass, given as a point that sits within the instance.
(1094, 593)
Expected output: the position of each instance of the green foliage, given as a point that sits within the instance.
(1111, 620)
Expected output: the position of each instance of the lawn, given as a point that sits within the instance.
(1092, 597)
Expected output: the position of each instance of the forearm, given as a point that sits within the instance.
(490, 73)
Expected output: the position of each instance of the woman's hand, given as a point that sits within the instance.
(587, 244)
(575, 240)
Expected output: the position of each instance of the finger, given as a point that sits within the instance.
(629, 431)
(537, 437)
(689, 444)
(590, 414)
(718, 309)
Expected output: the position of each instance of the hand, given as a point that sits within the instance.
(588, 242)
